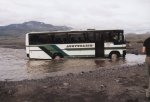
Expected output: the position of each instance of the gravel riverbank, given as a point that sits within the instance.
(115, 84)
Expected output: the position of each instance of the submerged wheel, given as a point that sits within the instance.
(57, 56)
(114, 55)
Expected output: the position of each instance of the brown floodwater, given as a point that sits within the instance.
(15, 66)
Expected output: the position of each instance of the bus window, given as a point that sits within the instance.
(114, 37)
(33, 39)
(60, 38)
(81, 38)
(90, 37)
(39, 39)
(76, 38)
(106, 36)
(121, 37)
(117, 38)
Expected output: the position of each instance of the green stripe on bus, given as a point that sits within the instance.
(51, 49)
(59, 50)
(46, 51)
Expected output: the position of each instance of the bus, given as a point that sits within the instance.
(87, 43)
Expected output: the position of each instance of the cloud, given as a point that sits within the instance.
(81, 14)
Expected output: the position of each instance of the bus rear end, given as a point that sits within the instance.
(27, 44)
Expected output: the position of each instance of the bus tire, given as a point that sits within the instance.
(114, 55)
(57, 56)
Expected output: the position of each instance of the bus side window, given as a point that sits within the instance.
(90, 37)
(73, 40)
(97, 37)
(58, 40)
(33, 39)
(45, 39)
(80, 40)
(121, 37)
(115, 37)
(64, 40)
(51, 38)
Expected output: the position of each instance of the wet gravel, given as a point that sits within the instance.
(118, 84)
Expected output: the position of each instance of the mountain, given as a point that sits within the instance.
(31, 26)
(137, 37)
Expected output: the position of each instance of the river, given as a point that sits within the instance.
(15, 66)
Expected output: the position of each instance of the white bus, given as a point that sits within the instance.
(88, 43)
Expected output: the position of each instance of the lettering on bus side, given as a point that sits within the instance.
(80, 46)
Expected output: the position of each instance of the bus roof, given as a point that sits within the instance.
(73, 31)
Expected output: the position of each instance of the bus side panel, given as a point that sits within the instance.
(84, 53)
(107, 52)
(109, 47)
(27, 50)
(78, 49)
(37, 53)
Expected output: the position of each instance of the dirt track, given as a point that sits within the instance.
(117, 84)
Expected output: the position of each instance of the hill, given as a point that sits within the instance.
(31, 26)
(136, 42)
(137, 37)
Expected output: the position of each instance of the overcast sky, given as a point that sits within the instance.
(131, 15)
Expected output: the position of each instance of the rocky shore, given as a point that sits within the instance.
(116, 84)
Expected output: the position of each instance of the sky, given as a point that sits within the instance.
(130, 15)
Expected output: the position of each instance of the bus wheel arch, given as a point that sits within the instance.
(57, 56)
(114, 55)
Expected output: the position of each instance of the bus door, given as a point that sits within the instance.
(99, 45)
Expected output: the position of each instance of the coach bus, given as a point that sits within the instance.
(87, 43)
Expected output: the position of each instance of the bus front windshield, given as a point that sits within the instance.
(117, 38)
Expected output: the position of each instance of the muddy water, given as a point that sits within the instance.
(14, 65)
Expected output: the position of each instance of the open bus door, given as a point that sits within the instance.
(99, 45)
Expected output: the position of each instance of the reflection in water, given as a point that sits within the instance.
(35, 66)
(109, 63)
(61, 67)
(15, 65)
(100, 63)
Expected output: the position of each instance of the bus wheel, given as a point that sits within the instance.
(57, 56)
(114, 56)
